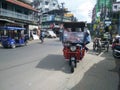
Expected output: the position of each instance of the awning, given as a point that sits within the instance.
(11, 28)
(21, 4)
(6, 20)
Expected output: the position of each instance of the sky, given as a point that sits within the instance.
(82, 9)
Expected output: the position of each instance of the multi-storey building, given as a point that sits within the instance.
(102, 15)
(116, 17)
(45, 5)
(51, 14)
(14, 12)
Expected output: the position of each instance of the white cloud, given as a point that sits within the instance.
(80, 8)
(84, 10)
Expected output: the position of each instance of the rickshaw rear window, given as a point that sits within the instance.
(74, 24)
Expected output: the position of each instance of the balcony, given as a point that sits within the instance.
(55, 18)
(7, 13)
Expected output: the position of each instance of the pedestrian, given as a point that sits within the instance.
(61, 33)
(42, 34)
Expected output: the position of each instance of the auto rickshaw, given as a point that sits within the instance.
(101, 43)
(13, 36)
(73, 47)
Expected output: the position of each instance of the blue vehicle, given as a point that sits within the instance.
(13, 36)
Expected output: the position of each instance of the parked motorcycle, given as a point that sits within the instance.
(116, 47)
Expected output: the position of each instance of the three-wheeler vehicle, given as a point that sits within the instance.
(13, 36)
(73, 47)
(101, 43)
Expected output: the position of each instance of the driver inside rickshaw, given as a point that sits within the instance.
(85, 31)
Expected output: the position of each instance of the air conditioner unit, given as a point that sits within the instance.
(116, 7)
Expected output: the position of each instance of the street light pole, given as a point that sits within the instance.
(119, 23)
(62, 15)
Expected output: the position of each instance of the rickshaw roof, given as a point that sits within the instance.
(12, 28)
(74, 24)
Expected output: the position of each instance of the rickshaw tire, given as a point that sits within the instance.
(99, 50)
(75, 64)
(26, 43)
(114, 55)
(107, 48)
(69, 62)
(72, 67)
(5, 47)
(13, 46)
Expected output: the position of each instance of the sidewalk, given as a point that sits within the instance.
(95, 72)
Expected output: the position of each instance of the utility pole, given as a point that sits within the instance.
(119, 23)
(62, 14)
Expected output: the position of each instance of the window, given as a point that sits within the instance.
(46, 2)
(54, 4)
(46, 9)
(4, 5)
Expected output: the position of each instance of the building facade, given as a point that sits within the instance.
(116, 17)
(102, 16)
(51, 14)
(16, 13)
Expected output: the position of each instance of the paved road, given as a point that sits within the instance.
(42, 67)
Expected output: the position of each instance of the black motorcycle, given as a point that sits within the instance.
(116, 48)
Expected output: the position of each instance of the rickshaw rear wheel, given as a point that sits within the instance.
(69, 62)
(5, 47)
(108, 47)
(115, 54)
(13, 46)
(75, 63)
(72, 66)
(26, 43)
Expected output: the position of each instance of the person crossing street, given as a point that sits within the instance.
(42, 34)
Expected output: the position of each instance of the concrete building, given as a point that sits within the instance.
(102, 16)
(51, 14)
(116, 16)
(17, 13)
(45, 5)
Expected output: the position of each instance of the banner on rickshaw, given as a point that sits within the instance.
(73, 37)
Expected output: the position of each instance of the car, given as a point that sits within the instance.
(50, 34)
